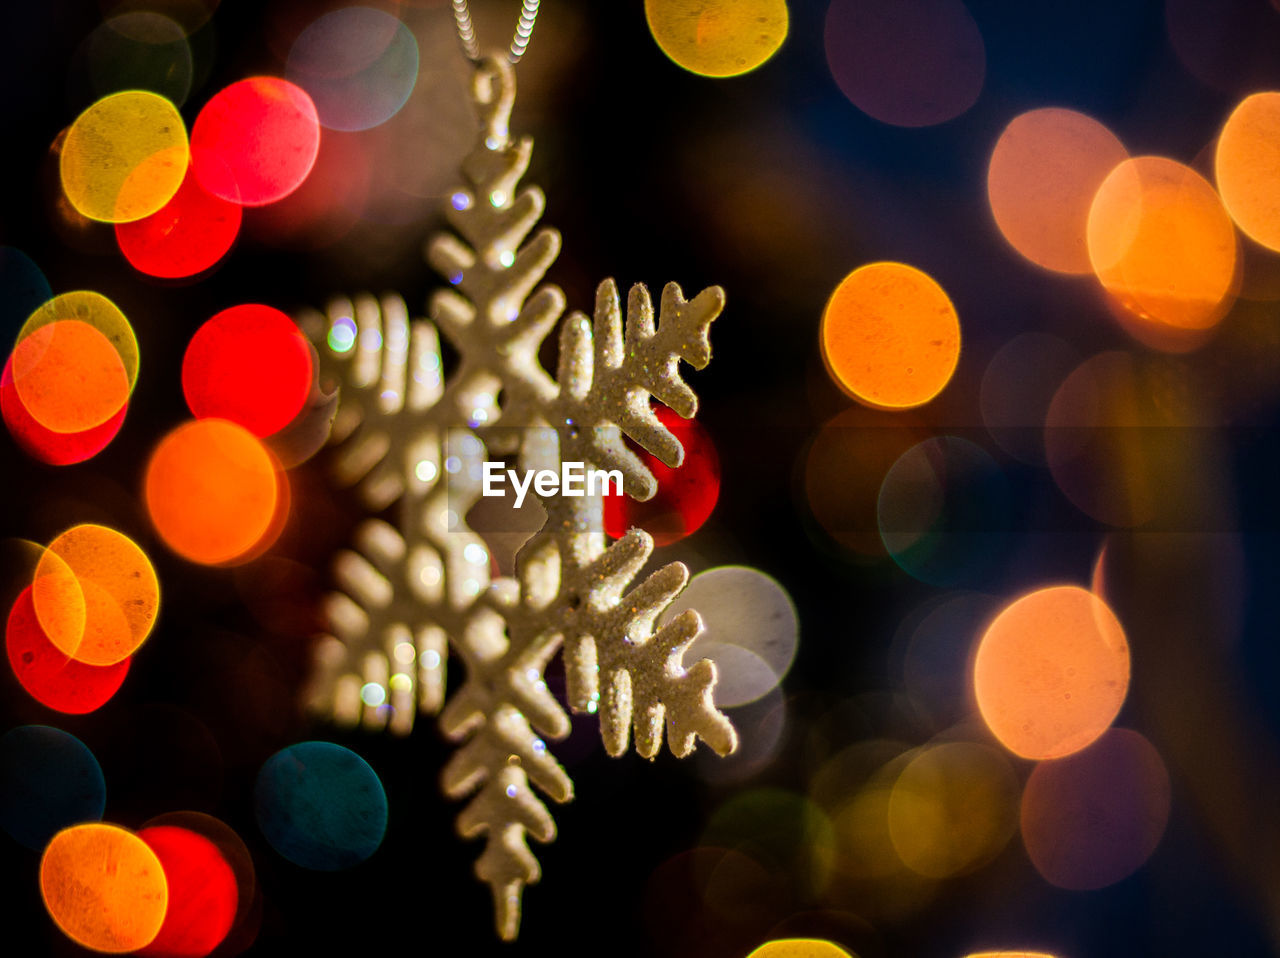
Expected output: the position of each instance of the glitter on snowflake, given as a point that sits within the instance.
(411, 436)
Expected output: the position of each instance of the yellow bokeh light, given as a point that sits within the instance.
(1044, 172)
(718, 38)
(1247, 164)
(124, 157)
(1051, 672)
(1162, 245)
(93, 309)
(800, 948)
(953, 808)
(120, 590)
(890, 336)
(104, 887)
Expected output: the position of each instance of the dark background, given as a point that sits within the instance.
(773, 186)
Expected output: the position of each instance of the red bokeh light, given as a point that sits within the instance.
(251, 365)
(49, 676)
(255, 141)
(686, 495)
(40, 442)
(185, 237)
(203, 894)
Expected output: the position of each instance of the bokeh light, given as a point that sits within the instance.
(937, 643)
(780, 829)
(1044, 173)
(190, 14)
(121, 595)
(843, 470)
(890, 336)
(92, 309)
(1229, 46)
(751, 630)
(1246, 164)
(41, 442)
(321, 806)
(1051, 672)
(140, 50)
(1114, 435)
(203, 896)
(906, 62)
(1162, 245)
(212, 491)
(686, 495)
(800, 948)
(188, 235)
(1095, 817)
(236, 855)
(51, 781)
(124, 157)
(953, 809)
(48, 675)
(1018, 388)
(249, 364)
(255, 141)
(718, 38)
(104, 887)
(69, 377)
(943, 511)
(358, 64)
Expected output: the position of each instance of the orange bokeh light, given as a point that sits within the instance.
(1246, 162)
(212, 490)
(115, 605)
(69, 376)
(890, 336)
(1162, 245)
(104, 887)
(1051, 672)
(1044, 172)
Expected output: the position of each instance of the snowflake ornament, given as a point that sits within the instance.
(408, 597)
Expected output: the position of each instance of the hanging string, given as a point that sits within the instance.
(519, 40)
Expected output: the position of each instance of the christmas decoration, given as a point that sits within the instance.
(408, 434)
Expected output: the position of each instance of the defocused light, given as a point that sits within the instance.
(1229, 46)
(718, 38)
(1093, 818)
(249, 364)
(140, 50)
(890, 336)
(745, 612)
(1247, 164)
(187, 236)
(212, 491)
(800, 948)
(104, 887)
(124, 157)
(49, 676)
(51, 780)
(907, 63)
(938, 651)
(1045, 171)
(943, 511)
(330, 201)
(686, 494)
(202, 893)
(69, 377)
(953, 809)
(1017, 389)
(784, 831)
(1051, 672)
(190, 14)
(255, 141)
(92, 309)
(844, 468)
(1162, 245)
(321, 806)
(358, 64)
(120, 593)
(42, 443)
